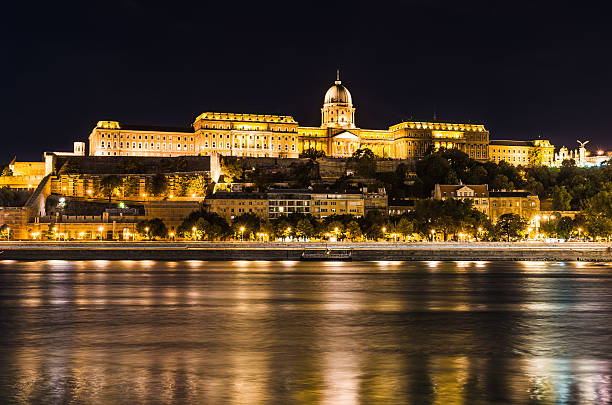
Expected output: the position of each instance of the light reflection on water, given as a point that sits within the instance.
(291, 332)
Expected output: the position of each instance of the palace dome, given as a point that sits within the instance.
(338, 93)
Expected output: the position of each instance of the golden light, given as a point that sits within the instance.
(147, 229)
(193, 195)
(89, 191)
(242, 229)
(552, 217)
(144, 194)
(171, 195)
(193, 229)
(600, 152)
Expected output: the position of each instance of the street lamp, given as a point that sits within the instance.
(147, 231)
(101, 229)
(384, 230)
(194, 232)
(579, 231)
(433, 232)
(242, 234)
(172, 235)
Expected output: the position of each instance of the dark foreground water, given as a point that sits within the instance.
(142, 332)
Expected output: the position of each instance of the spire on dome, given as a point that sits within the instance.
(338, 76)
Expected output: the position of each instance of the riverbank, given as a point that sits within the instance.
(444, 251)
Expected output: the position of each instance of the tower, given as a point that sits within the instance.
(338, 111)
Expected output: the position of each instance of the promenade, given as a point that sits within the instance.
(363, 251)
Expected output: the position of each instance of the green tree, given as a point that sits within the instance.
(231, 168)
(353, 231)
(131, 186)
(197, 185)
(312, 153)
(404, 227)
(536, 157)
(152, 228)
(561, 199)
(304, 228)
(109, 185)
(364, 161)
(510, 226)
(159, 185)
(250, 222)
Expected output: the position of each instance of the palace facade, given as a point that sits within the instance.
(259, 135)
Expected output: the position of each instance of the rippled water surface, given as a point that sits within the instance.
(143, 332)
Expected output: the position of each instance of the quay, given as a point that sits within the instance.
(364, 251)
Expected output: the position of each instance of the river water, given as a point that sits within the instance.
(144, 332)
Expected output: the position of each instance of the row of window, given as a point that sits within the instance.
(146, 137)
(258, 146)
(263, 137)
(256, 127)
(146, 145)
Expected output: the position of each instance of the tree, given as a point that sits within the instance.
(159, 185)
(353, 231)
(304, 228)
(131, 186)
(152, 228)
(109, 185)
(197, 185)
(6, 171)
(212, 226)
(365, 162)
(250, 222)
(510, 226)
(536, 157)
(561, 199)
(231, 168)
(404, 227)
(312, 153)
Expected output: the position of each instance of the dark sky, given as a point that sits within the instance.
(521, 69)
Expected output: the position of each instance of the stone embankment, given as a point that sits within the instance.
(481, 251)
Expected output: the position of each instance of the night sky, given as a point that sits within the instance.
(521, 69)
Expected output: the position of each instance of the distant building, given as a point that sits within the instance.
(520, 202)
(538, 152)
(258, 135)
(230, 205)
(400, 206)
(478, 194)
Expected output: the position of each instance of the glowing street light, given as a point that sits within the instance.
(194, 232)
(147, 231)
(172, 235)
(101, 229)
(433, 232)
(242, 234)
(579, 231)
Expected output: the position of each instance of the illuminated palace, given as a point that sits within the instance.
(280, 136)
